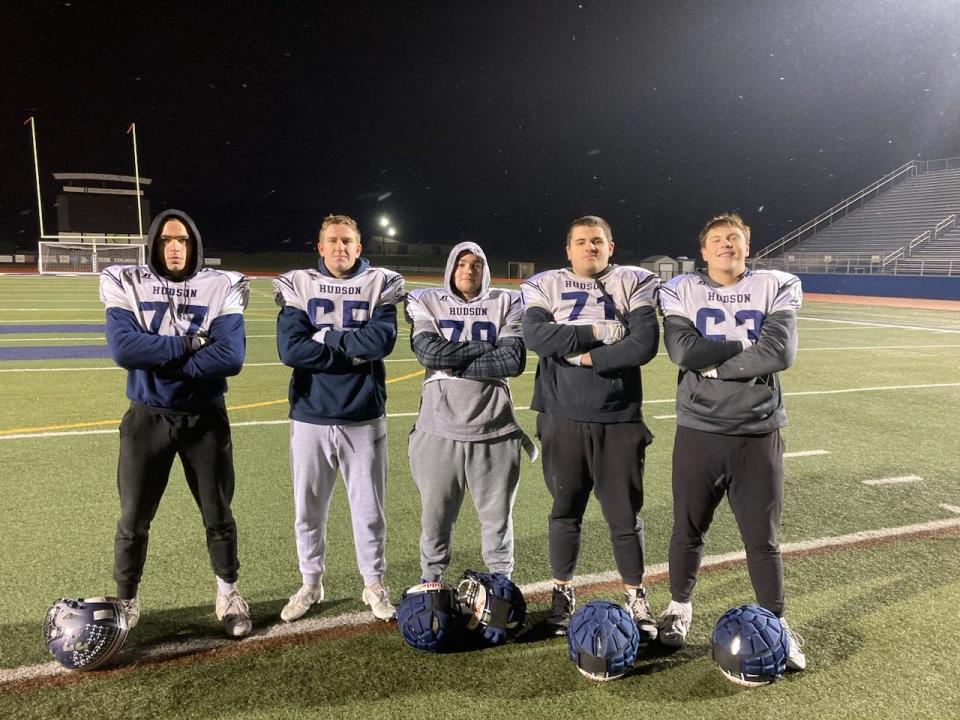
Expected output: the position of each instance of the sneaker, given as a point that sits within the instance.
(562, 604)
(377, 597)
(131, 608)
(635, 602)
(674, 623)
(234, 614)
(796, 660)
(301, 601)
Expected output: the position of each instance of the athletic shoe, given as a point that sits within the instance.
(377, 597)
(796, 660)
(674, 623)
(635, 603)
(234, 615)
(131, 608)
(301, 601)
(562, 604)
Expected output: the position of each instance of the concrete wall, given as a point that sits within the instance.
(929, 287)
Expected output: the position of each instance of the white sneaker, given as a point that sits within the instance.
(796, 660)
(234, 614)
(635, 603)
(376, 596)
(131, 608)
(300, 602)
(674, 623)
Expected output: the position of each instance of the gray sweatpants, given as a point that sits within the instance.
(359, 451)
(442, 469)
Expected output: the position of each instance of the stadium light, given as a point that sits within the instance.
(391, 231)
(384, 221)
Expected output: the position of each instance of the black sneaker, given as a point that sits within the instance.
(561, 609)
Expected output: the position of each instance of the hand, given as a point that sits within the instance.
(710, 372)
(575, 359)
(192, 343)
(319, 335)
(609, 332)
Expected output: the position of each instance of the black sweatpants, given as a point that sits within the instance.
(149, 440)
(606, 458)
(749, 470)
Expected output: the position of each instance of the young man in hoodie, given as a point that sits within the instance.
(731, 331)
(336, 324)
(177, 328)
(467, 336)
(593, 325)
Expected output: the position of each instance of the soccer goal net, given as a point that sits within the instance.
(87, 258)
(519, 270)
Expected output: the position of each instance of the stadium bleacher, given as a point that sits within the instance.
(907, 226)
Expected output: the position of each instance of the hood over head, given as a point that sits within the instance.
(154, 249)
(455, 254)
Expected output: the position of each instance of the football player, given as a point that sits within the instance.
(731, 331)
(177, 328)
(335, 326)
(593, 325)
(467, 336)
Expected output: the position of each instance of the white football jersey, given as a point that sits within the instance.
(573, 300)
(495, 315)
(339, 304)
(732, 312)
(165, 307)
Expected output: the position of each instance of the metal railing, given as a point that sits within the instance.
(857, 264)
(911, 169)
(948, 222)
(927, 235)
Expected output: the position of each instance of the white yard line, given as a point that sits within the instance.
(24, 436)
(879, 347)
(894, 480)
(169, 650)
(950, 508)
(867, 323)
(806, 453)
(45, 338)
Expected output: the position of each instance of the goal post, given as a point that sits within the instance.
(86, 258)
(517, 270)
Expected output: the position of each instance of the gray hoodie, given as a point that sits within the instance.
(469, 348)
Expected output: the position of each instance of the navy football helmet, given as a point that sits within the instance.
(750, 646)
(85, 634)
(428, 617)
(493, 605)
(602, 640)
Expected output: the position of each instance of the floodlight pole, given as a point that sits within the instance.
(36, 170)
(132, 130)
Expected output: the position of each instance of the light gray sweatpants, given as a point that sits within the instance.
(359, 451)
(442, 469)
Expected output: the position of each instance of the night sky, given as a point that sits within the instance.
(491, 121)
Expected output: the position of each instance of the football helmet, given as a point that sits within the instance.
(602, 640)
(85, 634)
(750, 646)
(428, 617)
(493, 605)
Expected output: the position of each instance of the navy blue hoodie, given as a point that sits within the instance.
(151, 319)
(334, 333)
